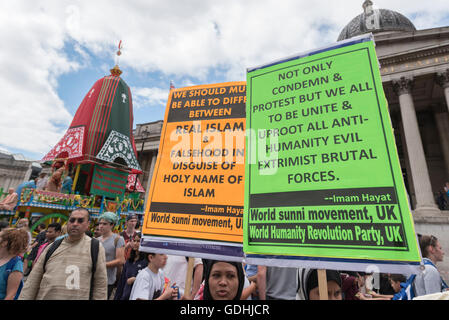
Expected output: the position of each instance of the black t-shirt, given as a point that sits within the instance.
(40, 239)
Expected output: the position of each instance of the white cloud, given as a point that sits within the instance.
(143, 97)
(187, 40)
(191, 37)
(33, 116)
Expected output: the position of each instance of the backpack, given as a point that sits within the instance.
(9, 266)
(94, 248)
(408, 288)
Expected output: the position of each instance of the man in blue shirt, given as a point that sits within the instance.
(67, 185)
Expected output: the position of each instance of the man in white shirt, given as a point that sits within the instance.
(176, 270)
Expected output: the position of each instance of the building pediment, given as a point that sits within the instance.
(413, 53)
(399, 45)
(417, 61)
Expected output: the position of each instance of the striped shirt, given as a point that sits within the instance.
(67, 274)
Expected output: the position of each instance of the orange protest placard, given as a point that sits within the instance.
(197, 189)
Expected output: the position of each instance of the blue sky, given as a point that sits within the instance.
(72, 87)
(53, 51)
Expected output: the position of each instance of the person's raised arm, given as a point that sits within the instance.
(197, 279)
(248, 291)
(262, 281)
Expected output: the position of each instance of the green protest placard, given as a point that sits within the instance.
(108, 182)
(323, 179)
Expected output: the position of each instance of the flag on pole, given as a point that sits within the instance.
(172, 86)
(119, 52)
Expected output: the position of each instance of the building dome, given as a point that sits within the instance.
(375, 21)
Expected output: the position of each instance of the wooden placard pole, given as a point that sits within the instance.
(322, 284)
(189, 277)
(75, 180)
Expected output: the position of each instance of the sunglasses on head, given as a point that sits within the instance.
(72, 220)
(433, 241)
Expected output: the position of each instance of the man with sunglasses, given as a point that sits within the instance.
(430, 281)
(67, 273)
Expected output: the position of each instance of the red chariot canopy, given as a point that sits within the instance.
(101, 128)
(132, 182)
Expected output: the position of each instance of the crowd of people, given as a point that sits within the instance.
(74, 262)
(61, 180)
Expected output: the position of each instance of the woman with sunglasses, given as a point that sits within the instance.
(429, 281)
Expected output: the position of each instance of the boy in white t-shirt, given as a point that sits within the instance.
(150, 282)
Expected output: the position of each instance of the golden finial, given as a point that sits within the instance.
(116, 70)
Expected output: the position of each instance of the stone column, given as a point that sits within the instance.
(425, 202)
(442, 122)
(411, 187)
(7, 183)
(443, 81)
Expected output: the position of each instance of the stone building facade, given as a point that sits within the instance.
(146, 137)
(14, 169)
(414, 66)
